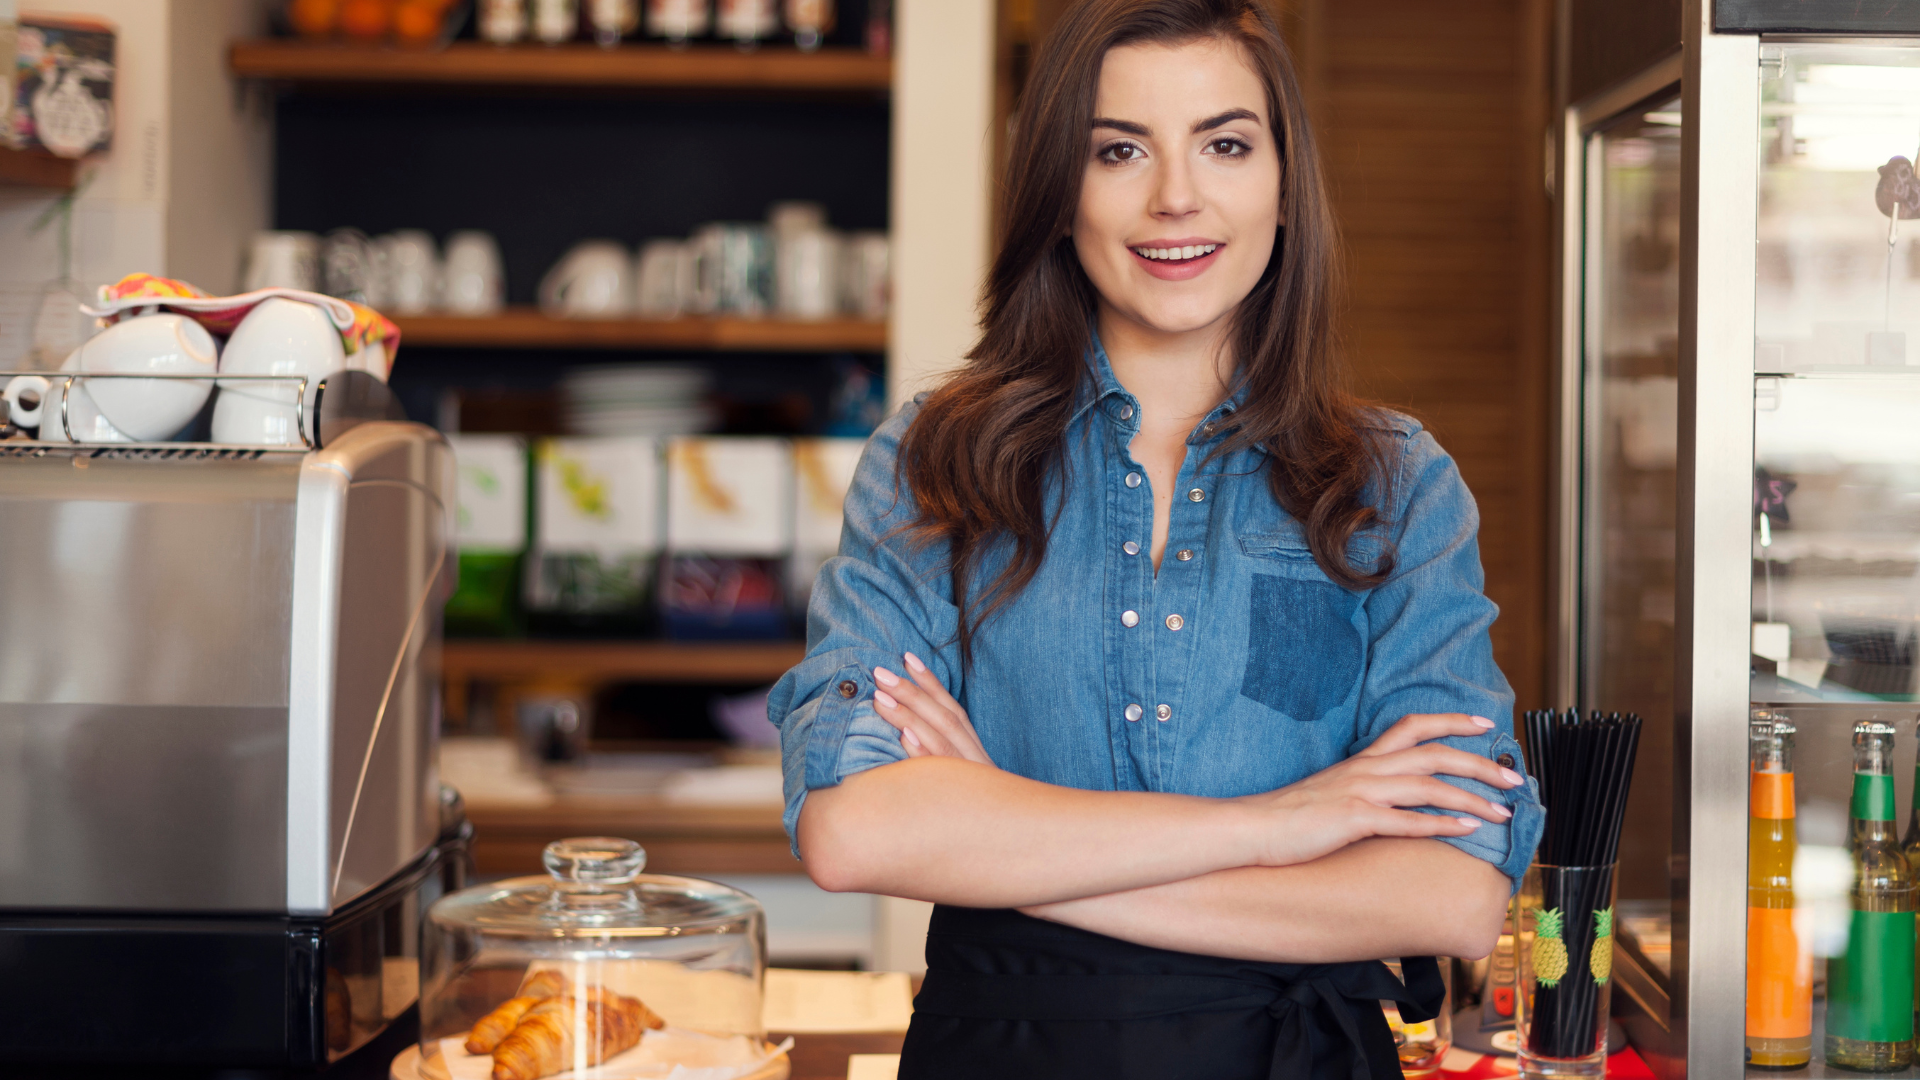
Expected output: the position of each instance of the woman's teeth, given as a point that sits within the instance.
(1191, 251)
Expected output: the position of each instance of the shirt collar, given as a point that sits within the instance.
(1103, 389)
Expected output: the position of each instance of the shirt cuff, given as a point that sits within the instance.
(831, 738)
(1508, 845)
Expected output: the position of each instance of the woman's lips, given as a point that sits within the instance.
(1177, 270)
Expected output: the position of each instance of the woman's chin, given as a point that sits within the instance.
(1178, 319)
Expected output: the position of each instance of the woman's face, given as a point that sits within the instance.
(1181, 199)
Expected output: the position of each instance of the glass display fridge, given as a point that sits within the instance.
(1740, 523)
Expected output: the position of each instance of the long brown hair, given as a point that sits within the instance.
(986, 445)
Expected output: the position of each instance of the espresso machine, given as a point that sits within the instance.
(220, 813)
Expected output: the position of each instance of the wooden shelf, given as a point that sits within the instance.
(527, 328)
(606, 661)
(37, 169)
(577, 66)
(679, 839)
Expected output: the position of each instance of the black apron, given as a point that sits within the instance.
(1007, 995)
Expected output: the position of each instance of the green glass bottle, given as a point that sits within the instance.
(1911, 845)
(1870, 988)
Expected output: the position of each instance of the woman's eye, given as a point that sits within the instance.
(1227, 147)
(1122, 152)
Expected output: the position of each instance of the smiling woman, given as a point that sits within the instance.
(1173, 809)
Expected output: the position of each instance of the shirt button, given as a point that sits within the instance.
(847, 688)
(1184, 555)
(1133, 479)
(1163, 712)
(1196, 495)
(1206, 429)
(1174, 622)
(1129, 618)
(1130, 548)
(1126, 412)
(1133, 712)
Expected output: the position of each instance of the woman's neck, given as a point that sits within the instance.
(1177, 377)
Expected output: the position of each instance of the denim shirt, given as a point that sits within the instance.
(1241, 669)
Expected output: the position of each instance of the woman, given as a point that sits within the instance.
(1151, 657)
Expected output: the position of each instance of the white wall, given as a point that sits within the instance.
(185, 180)
(942, 159)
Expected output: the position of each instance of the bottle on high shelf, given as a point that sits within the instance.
(1779, 964)
(1870, 987)
(1912, 847)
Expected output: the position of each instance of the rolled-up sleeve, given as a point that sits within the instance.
(1430, 650)
(880, 597)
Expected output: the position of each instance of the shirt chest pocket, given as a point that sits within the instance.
(1304, 654)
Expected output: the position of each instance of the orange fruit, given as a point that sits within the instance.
(313, 18)
(417, 22)
(367, 20)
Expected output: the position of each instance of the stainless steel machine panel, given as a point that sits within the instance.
(143, 683)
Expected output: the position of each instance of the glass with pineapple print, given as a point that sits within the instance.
(1564, 915)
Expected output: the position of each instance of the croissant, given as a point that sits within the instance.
(499, 1023)
(543, 1043)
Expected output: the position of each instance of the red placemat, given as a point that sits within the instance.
(1462, 1065)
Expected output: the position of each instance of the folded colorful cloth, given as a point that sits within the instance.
(370, 338)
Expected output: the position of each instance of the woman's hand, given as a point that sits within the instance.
(1366, 795)
(931, 723)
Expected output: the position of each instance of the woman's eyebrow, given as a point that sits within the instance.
(1230, 115)
(1127, 126)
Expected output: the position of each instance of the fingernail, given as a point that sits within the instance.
(1512, 777)
(914, 663)
(1483, 721)
(912, 739)
(886, 699)
(885, 677)
(1502, 811)
(1471, 823)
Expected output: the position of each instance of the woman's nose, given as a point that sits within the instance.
(1175, 195)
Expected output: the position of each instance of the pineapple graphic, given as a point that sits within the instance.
(1549, 952)
(1601, 960)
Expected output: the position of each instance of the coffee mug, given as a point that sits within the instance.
(278, 337)
(55, 416)
(807, 273)
(283, 260)
(866, 277)
(473, 281)
(732, 269)
(412, 271)
(664, 272)
(148, 410)
(593, 281)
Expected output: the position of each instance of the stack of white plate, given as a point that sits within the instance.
(636, 399)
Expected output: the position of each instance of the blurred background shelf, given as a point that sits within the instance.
(655, 661)
(41, 170)
(525, 327)
(704, 840)
(577, 66)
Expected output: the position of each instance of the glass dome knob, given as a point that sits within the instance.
(595, 860)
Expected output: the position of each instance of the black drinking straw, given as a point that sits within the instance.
(1584, 767)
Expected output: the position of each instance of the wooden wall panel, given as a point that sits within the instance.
(1432, 117)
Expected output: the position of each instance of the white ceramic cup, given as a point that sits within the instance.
(278, 337)
(283, 260)
(866, 281)
(25, 395)
(412, 263)
(81, 416)
(149, 410)
(678, 20)
(593, 281)
(473, 281)
(806, 280)
(664, 279)
(733, 269)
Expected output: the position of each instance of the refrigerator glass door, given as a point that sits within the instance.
(1630, 385)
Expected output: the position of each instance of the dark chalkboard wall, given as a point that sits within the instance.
(541, 173)
(1817, 16)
